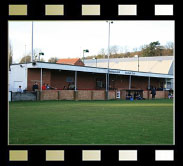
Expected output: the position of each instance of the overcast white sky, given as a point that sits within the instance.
(67, 39)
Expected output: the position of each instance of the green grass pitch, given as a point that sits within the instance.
(91, 122)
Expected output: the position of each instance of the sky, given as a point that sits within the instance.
(68, 39)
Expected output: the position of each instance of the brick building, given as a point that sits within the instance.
(76, 77)
(73, 61)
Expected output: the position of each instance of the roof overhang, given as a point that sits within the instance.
(88, 69)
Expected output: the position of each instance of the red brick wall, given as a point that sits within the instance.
(155, 82)
(139, 82)
(92, 95)
(66, 95)
(159, 94)
(120, 82)
(46, 76)
(58, 78)
(146, 94)
(49, 95)
(87, 81)
(84, 80)
(34, 75)
(79, 63)
(112, 95)
(123, 94)
(84, 95)
(98, 95)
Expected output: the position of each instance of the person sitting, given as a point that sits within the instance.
(129, 97)
(71, 86)
(47, 87)
(170, 95)
(139, 97)
(19, 89)
(44, 87)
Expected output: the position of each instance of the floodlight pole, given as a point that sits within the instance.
(32, 41)
(83, 55)
(86, 50)
(96, 60)
(25, 54)
(41, 53)
(108, 82)
(138, 63)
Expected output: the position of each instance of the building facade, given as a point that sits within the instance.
(75, 77)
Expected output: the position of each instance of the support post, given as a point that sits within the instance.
(130, 80)
(149, 87)
(138, 63)
(149, 83)
(166, 83)
(41, 79)
(75, 86)
(106, 86)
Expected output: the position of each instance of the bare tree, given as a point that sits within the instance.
(10, 54)
(169, 45)
(114, 49)
(26, 59)
(102, 52)
(121, 49)
(53, 60)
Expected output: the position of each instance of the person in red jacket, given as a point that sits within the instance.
(44, 87)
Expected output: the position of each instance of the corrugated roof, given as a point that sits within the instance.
(160, 64)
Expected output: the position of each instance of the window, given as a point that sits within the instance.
(99, 84)
(69, 79)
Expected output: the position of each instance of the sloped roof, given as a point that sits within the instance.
(68, 61)
(160, 64)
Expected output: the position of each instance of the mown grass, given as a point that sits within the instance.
(91, 122)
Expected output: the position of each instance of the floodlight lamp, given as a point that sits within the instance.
(86, 50)
(41, 53)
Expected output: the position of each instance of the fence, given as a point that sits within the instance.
(26, 96)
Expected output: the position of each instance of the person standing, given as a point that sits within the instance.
(35, 87)
(153, 92)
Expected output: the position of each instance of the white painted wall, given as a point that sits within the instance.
(169, 84)
(17, 77)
